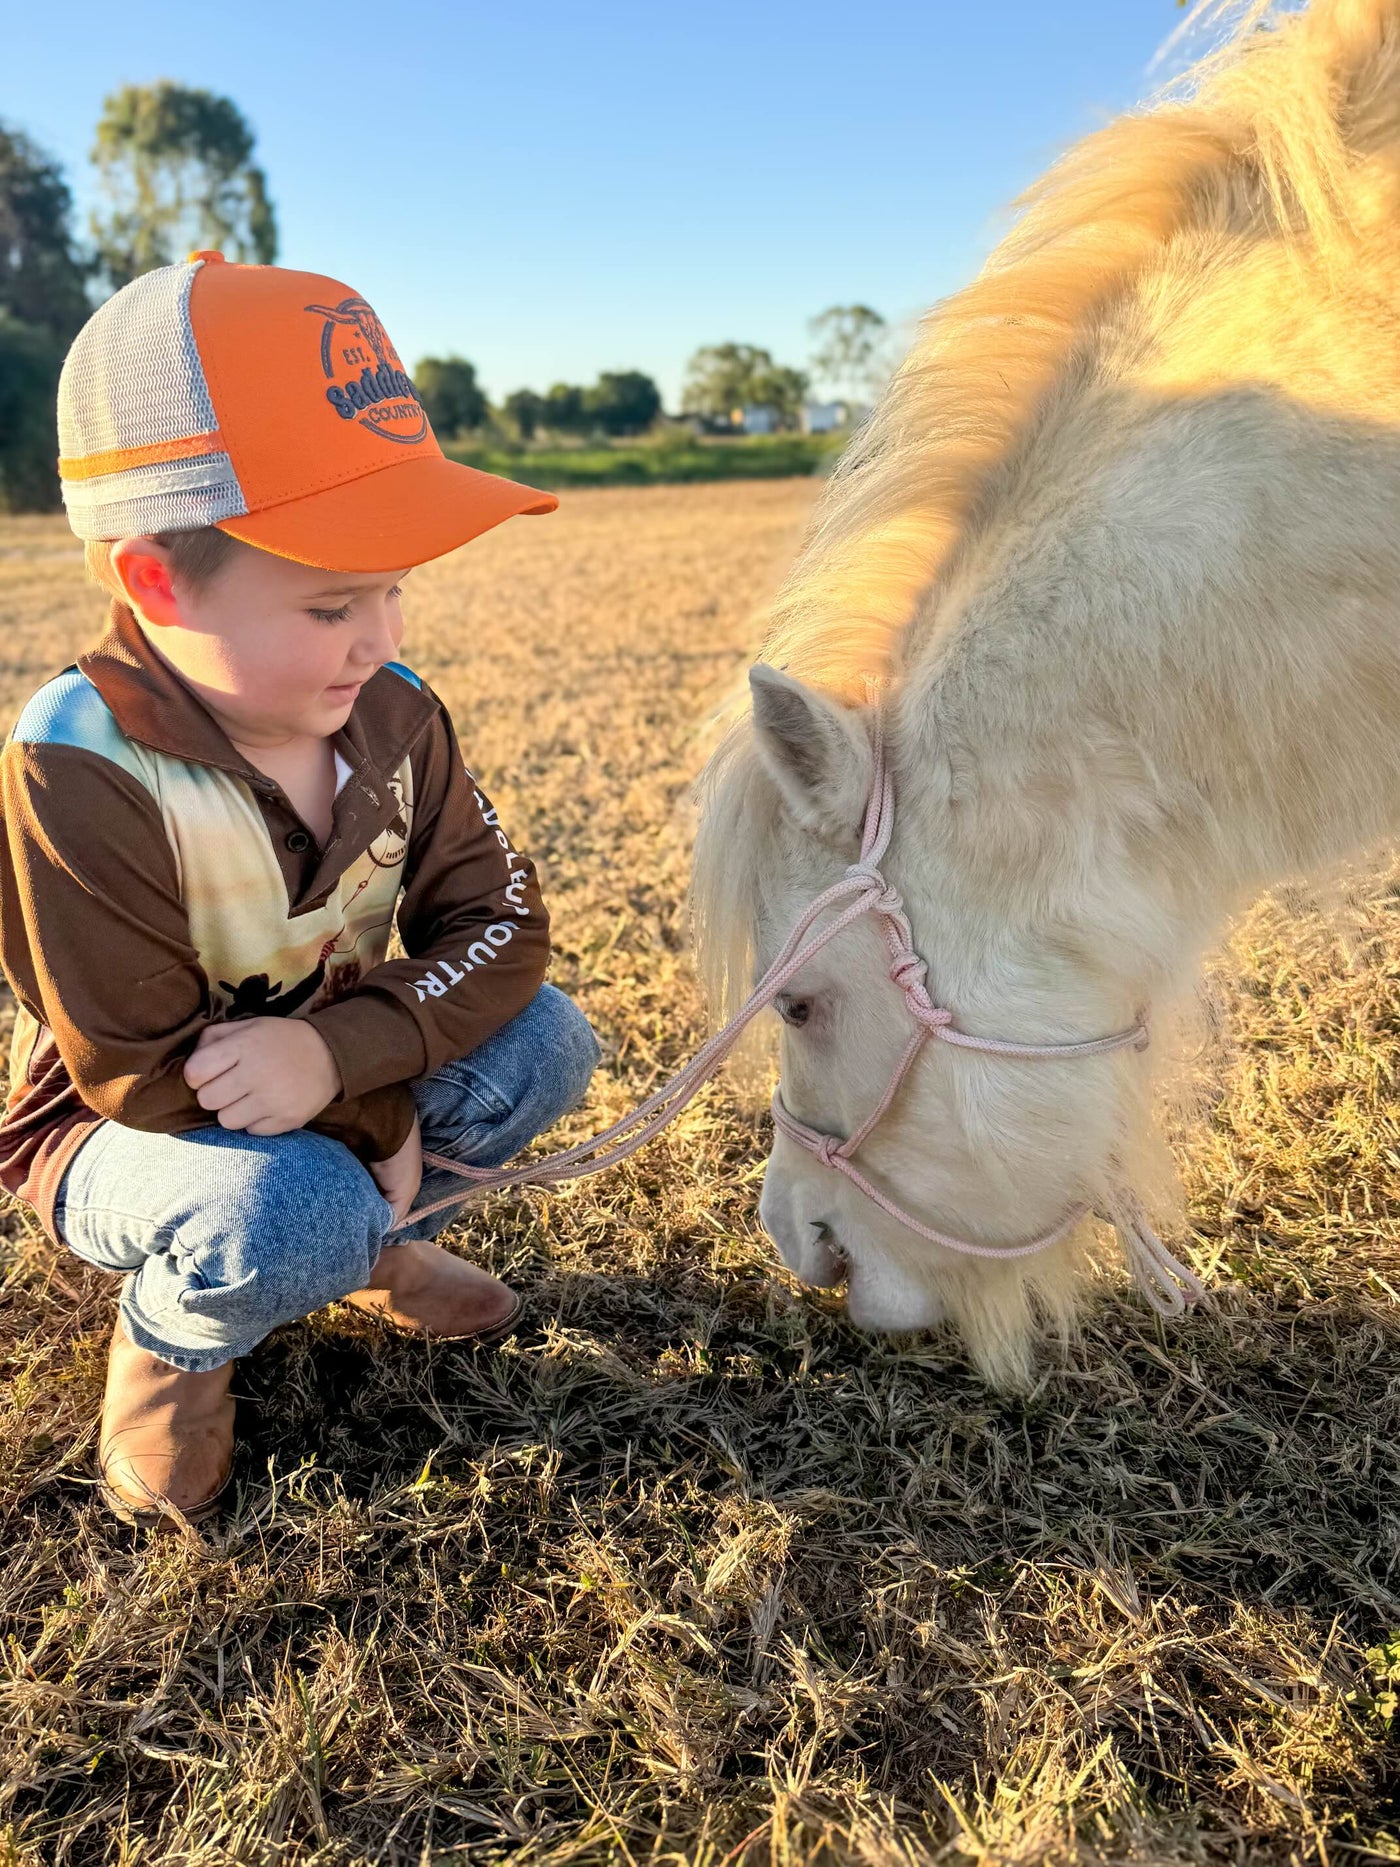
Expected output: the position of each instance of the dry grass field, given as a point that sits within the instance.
(688, 1571)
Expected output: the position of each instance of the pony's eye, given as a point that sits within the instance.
(792, 1010)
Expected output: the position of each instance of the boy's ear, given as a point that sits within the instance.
(142, 569)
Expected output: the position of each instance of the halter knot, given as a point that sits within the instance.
(937, 1017)
(826, 1150)
(910, 974)
(865, 872)
(908, 970)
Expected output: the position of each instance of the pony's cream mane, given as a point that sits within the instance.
(1264, 132)
(1270, 128)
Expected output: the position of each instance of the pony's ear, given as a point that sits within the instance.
(817, 752)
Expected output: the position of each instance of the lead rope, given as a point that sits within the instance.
(1166, 1283)
(1170, 1286)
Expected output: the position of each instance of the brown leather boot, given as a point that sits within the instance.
(420, 1289)
(166, 1451)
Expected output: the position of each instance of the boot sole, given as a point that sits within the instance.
(152, 1517)
(481, 1338)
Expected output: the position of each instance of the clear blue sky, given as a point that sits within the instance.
(552, 187)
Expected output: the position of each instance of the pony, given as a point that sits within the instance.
(1120, 545)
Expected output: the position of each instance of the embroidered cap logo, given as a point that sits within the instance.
(381, 396)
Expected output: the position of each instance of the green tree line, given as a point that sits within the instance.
(175, 169)
(851, 357)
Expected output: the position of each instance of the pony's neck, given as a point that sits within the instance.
(1125, 715)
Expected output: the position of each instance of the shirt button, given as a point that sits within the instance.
(298, 841)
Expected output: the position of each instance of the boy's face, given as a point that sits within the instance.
(276, 650)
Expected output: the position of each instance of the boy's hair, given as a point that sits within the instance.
(196, 557)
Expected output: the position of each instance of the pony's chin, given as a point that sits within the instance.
(882, 1301)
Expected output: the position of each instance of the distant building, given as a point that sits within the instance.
(823, 417)
(830, 417)
(752, 418)
(755, 418)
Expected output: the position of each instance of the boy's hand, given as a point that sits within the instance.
(399, 1177)
(263, 1075)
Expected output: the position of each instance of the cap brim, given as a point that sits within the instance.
(385, 521)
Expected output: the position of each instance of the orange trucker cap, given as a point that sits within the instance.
(271, 404)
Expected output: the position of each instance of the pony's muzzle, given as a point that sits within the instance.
(806, 1245)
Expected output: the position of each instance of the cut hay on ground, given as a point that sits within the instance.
(689, 1572)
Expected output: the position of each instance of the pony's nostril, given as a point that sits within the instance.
(837, 1266)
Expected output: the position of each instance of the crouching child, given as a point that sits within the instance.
(221, 1086)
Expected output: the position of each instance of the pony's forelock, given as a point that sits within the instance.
(740, 814)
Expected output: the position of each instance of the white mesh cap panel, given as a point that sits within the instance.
(133, 376)
(175, 496)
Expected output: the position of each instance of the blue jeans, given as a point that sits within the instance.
(225, 1236)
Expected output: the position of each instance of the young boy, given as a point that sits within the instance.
(220, 1084)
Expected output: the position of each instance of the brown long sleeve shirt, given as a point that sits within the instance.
(152, 882)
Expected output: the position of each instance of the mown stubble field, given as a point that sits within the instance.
(688, 1571)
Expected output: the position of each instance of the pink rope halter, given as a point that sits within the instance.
(1167, 1284)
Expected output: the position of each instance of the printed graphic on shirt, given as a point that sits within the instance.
(261, 961)
(517, 875)
(258, 997)
(388, 850)
(439, 978)
(443, 974)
